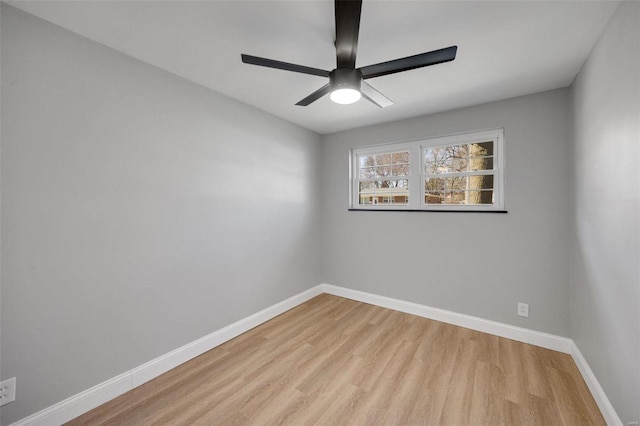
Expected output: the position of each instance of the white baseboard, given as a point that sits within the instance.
(78, 404)
(106, 391)
(610, 415)
(545, 340)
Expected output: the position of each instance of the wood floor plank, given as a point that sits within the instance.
(332, 361)
(511, 363)
(570, 403)
(487, 401)
(457, 407)
(537, 382)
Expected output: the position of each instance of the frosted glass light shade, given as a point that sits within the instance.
(345, 96)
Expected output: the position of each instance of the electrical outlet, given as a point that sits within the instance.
(7, 391)
(523, 309)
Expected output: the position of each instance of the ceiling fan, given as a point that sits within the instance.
(346, 82)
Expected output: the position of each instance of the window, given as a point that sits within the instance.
(458, 172)
(383, 178)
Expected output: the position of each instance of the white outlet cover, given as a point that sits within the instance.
(523, 310)
(7, 391)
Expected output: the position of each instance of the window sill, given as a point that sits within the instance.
(428, 211)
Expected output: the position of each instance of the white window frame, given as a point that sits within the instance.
(416, 171)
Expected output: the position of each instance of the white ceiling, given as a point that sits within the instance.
(505, 49)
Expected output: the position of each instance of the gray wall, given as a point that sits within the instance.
(605, 274)
(139, 212)
(479, 264)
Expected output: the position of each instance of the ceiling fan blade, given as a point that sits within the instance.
(374, 96)
(315, 95)
(410, 62)
(347, 28)
(271, 63)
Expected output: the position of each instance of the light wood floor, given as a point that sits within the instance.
(336, 361)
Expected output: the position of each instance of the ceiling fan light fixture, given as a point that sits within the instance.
(345, 85)
(345, 96)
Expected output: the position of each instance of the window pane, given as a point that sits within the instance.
(366, 191)
(454, 164)
(383, 171)
(383, 159)
(434, 197)
(459, 158)
(367, 172)
(434, 184)
(482, 149)
(480, 197)
(475, 189)
(430, 155)
(384, 192)
(366, 161)
(460, 197)
(400, 157)
(400, 183)
(455, 197)
(480, 182)
(394, 191)
(446, 159)
(456, 183)
(458, 151)
(366, 186)
(384, 165)
(481, 163)
(400, 170)
(373, 172)
(431, 168)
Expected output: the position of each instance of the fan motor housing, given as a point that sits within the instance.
(345, 78)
